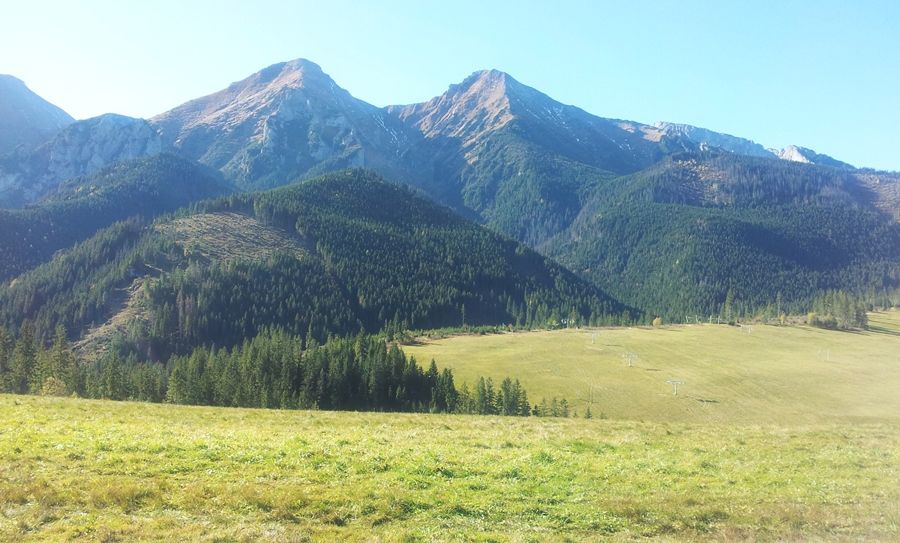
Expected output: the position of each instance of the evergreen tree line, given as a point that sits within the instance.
(716, 178)
(272, 370)
(835, 309)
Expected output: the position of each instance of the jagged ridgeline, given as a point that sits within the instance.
(83, 205)
(343, 252)
(676, 238)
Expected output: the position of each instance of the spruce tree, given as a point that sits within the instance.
(24, 360)
(112, 381)
(60, 362)
(6, 345)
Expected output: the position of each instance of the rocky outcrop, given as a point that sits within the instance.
(802, 154)
(79, 149)
(26, 119)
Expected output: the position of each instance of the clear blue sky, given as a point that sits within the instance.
(820, 74)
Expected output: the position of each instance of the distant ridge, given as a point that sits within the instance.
(744, 146)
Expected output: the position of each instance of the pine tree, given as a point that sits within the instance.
(24, 360)
(524, 409)
(112, 381)
(729, 304)
(6, 345)
(481, 397)
(61, 363)
(507, 397)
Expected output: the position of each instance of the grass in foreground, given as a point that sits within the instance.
(103, 471)
(783, 375)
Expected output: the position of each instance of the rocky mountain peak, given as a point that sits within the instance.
(276, 125)
(295, 74)
(478, 104)
(733, 144)
(714, 139)
(258, 96)
(26, 118)
(791, 153)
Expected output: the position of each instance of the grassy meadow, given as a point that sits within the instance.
(783, 375)
(83, 470)
(767, 440)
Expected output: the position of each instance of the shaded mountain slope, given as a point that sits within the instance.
(26, 119)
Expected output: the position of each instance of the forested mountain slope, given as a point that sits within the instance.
(365, 254)
(83, 205)
(669, 217)
(675, 238)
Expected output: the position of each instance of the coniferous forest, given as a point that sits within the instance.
(271, 370)
(677, 238)
(304, 305)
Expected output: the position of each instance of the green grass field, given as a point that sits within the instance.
(782, 434)
(81, 470)
(783, 375)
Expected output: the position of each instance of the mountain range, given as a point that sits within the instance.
(668, 219)
(480, 147)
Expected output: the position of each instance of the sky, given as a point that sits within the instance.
(819, 74)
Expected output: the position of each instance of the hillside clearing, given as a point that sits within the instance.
(225, 236)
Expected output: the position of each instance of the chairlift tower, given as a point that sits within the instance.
(629, 356)
(676, 383)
